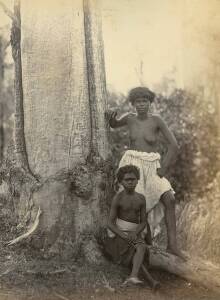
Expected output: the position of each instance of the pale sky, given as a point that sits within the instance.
(175, 38)
(140, 30)
(169, 37)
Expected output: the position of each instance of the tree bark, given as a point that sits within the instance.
(64, 100)
(19, 138)
(1, 100)
(96, 77)
(2, 137)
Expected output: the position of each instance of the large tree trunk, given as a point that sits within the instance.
(63, 83)
(64, 100)
(19, 138)
(1, 100)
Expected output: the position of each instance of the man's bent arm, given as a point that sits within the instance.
(115, 123)
(172, 151)
(112, 219)
(143, 217)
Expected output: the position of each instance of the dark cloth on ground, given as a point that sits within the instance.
(121, 252)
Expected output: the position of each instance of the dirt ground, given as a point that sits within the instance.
(62, 287)
(26, 275)
(43, 279)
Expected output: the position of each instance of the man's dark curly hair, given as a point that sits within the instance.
(127, 169)
(140, 92)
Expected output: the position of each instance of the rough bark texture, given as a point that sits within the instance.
(64, 99)
(1, 132)
(55, 83)
(19, 138)
(96, 77)
(1, 101)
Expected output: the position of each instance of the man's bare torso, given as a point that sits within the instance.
(143, 133)
(129, 206)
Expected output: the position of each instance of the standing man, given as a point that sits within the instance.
(144, 129)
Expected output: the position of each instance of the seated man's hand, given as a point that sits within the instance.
(132, 237)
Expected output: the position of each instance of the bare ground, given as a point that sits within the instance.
(24, 277)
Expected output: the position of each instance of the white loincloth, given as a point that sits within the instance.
(123, 226)
(150, 184)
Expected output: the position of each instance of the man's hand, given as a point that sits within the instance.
(132, 237)
(161, 172)
(110, 115)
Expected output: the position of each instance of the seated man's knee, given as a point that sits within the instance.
(141, 248)
(168, 199)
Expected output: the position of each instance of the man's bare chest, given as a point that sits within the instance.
(146, 129)
(130, 205)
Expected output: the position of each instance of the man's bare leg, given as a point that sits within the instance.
(137, 262)
(168, 201)
(154, 283)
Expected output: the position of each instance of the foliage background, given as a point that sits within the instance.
(194, 124)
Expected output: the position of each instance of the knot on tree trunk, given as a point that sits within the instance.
(61, 214)
(81, 182)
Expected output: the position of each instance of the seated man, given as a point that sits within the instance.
(127, 221)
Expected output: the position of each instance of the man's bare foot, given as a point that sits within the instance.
(133, 280)
(175, 251)
(155, 285)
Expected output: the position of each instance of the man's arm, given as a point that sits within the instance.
(115, 123)
(143, 216)
(148, 237)
(112, 219)
(144, 223)
(172, 146)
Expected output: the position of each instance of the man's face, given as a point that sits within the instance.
(142, 105)
(129, 181)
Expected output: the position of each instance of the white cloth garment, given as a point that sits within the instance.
(124, 226)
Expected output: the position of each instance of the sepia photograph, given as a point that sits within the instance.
(109, 149)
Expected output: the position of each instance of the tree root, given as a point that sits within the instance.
(30, 231)
(93, 254)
